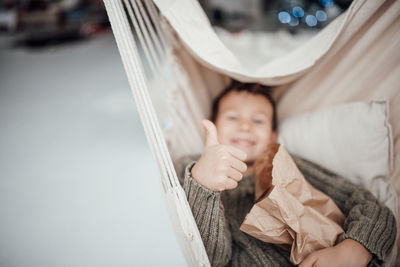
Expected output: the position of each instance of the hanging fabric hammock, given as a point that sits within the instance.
(176, 65)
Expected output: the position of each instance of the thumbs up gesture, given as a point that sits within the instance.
(220, 167)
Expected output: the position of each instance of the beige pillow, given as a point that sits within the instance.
(353, 140)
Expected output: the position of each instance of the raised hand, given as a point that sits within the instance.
(220, 167)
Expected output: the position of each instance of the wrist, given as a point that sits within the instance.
(353, 248)
(193, 172)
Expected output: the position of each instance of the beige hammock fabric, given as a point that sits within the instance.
(354, 58)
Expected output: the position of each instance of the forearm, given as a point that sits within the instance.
(208, 211)
(371, 224)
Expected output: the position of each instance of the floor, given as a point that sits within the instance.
(78, 184)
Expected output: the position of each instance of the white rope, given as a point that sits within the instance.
(186, 130)
(140, 36)
(146, 43)
(156, 20)
(144, 29)
(149, 26)
(149, 116)
(139, 28)
(135, 74)
(136, 77)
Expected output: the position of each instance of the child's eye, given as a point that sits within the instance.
(232, 118)
(257, 121)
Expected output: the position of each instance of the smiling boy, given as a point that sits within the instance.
(219, 186)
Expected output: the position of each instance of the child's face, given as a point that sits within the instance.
(244, 120)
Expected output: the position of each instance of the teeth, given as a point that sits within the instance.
(244, 142)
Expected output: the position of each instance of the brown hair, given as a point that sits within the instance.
(253, 88)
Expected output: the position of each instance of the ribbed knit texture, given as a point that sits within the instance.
(219, 215)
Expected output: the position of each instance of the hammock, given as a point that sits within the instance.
(176, 64)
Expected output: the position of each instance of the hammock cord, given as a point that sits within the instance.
(156, 20)
(140, 37)
(149, 115)
(149, 26)
(141, 30)
(144, 29)
(192, 243)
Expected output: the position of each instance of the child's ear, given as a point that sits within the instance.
(274, 137)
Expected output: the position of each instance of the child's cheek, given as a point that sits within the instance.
(223, 136)
(263, 139)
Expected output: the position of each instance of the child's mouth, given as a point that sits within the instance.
(243, 142)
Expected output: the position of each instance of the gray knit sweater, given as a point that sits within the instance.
(219, 215)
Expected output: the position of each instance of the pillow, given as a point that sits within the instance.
(353, 140)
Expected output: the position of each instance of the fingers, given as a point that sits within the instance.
(237, 153)
(222, 161)
(211, 133)
(212, 139)
(235, 175)
(230, 184)
(238, 164)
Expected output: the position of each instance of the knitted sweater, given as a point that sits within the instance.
(219, 215)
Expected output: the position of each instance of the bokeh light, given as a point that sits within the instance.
(311, 20)
(321, 15)
(284, 17)
(298, 12)
(325, 3)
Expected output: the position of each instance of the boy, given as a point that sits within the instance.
(220, 191)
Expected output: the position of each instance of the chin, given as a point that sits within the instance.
(250, 157)
(250, 151)
(247, 150)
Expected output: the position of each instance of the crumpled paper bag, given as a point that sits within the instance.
(288, 211)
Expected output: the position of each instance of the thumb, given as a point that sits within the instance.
(211, 133)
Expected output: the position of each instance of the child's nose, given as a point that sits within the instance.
(244, 125)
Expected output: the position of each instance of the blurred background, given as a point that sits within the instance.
(78, 184)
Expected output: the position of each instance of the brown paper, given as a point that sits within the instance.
(288, 211)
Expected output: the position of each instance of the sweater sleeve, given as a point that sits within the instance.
(367, 220)
(208, 212)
